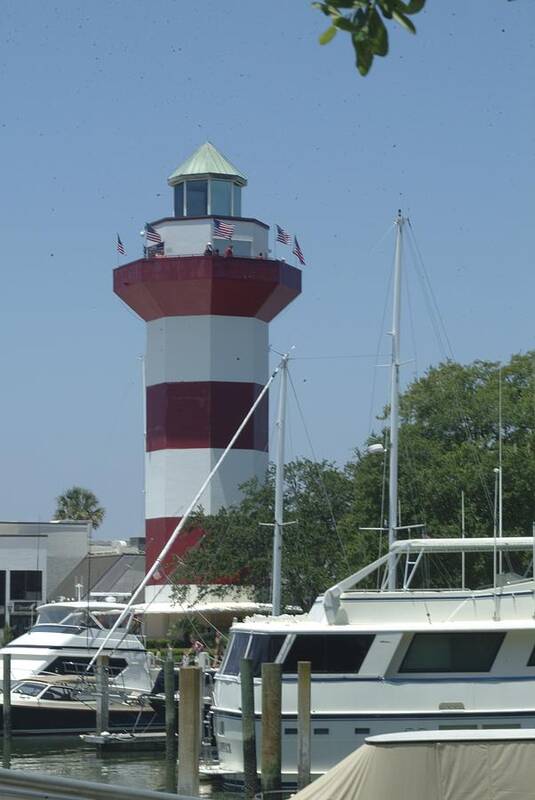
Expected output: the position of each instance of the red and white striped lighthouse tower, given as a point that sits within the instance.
(207, 345)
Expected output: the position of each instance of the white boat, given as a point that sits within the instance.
(62, 705)
(389, 661)
(393, 659)
(68, 634)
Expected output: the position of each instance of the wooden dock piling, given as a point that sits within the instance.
(303, 723)
(170, 704)
(103, 695)
(189, 730)
(6, 689)
(271, 727)
(250, 777)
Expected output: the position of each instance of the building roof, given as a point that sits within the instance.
(207, 160)
(104, 574)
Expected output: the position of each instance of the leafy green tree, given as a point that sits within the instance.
(363, 20)
(236, 546)
(449, 442)
(79, 503)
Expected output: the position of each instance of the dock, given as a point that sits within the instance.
(117, 742)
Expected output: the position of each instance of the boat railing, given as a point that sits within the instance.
(407, 547)
(37, 786)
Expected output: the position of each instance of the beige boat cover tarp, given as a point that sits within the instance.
(480, 770)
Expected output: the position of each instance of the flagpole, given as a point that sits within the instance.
(275, 242)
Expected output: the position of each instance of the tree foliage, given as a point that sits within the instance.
(363, 20)
(237, 545)
(449, 442)
(79, 503)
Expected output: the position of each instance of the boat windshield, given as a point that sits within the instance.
(64, 615)
(29, 689)
(80, 617)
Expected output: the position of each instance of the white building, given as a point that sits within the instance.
(34, 558)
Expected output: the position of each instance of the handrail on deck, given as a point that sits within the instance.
(38, 786)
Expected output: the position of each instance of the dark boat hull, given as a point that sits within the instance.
(29, 720)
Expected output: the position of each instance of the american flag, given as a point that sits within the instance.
(152, 234)
(282, 236)
(298, 252)
(120, 246)
(223, 230)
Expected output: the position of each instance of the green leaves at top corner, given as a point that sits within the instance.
(378, 35)
(404, 21)
(327, 35)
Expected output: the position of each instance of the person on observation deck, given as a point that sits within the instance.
(208, 250)
(229, 252)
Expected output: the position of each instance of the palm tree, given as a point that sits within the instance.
(79, 503)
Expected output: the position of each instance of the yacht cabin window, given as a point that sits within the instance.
(57, 693)
(78, 665)
(452, 652)
(329, 653)
(29, 689)
(236, 651)
(259, 647)
(79, 617)
(264, 648)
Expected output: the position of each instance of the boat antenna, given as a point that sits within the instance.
(500, 469)
(394, 406)
(279, 490)
(463, 535)
(279, 524)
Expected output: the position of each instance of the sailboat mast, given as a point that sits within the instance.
(279, 491)
(394, 405)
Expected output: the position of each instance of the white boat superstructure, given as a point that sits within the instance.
(390, 661)
(68, 634)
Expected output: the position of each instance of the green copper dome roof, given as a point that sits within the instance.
(207, 160)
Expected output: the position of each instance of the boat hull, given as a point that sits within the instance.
(336, 736)
(64, 719)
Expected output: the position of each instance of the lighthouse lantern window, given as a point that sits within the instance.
(236, 200)
(197, 198)
(179, 200)
(221, 197)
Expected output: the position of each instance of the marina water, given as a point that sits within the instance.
(71, 758)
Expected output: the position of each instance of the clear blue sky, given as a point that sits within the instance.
(100, 101)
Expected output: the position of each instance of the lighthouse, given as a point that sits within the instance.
(207, 316)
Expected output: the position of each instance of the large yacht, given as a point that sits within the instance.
(68, 634)
(389, 661)
(397, 658)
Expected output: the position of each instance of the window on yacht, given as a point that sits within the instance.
(264, 647)
(329, 653)
(107, 619)
(64, 615)
(29, 689)
(58, 693)
(531, 662)
(452, 652)
(77, 665)
(236, 651)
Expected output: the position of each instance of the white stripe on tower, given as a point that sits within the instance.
(206, 348)
(187, 425)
